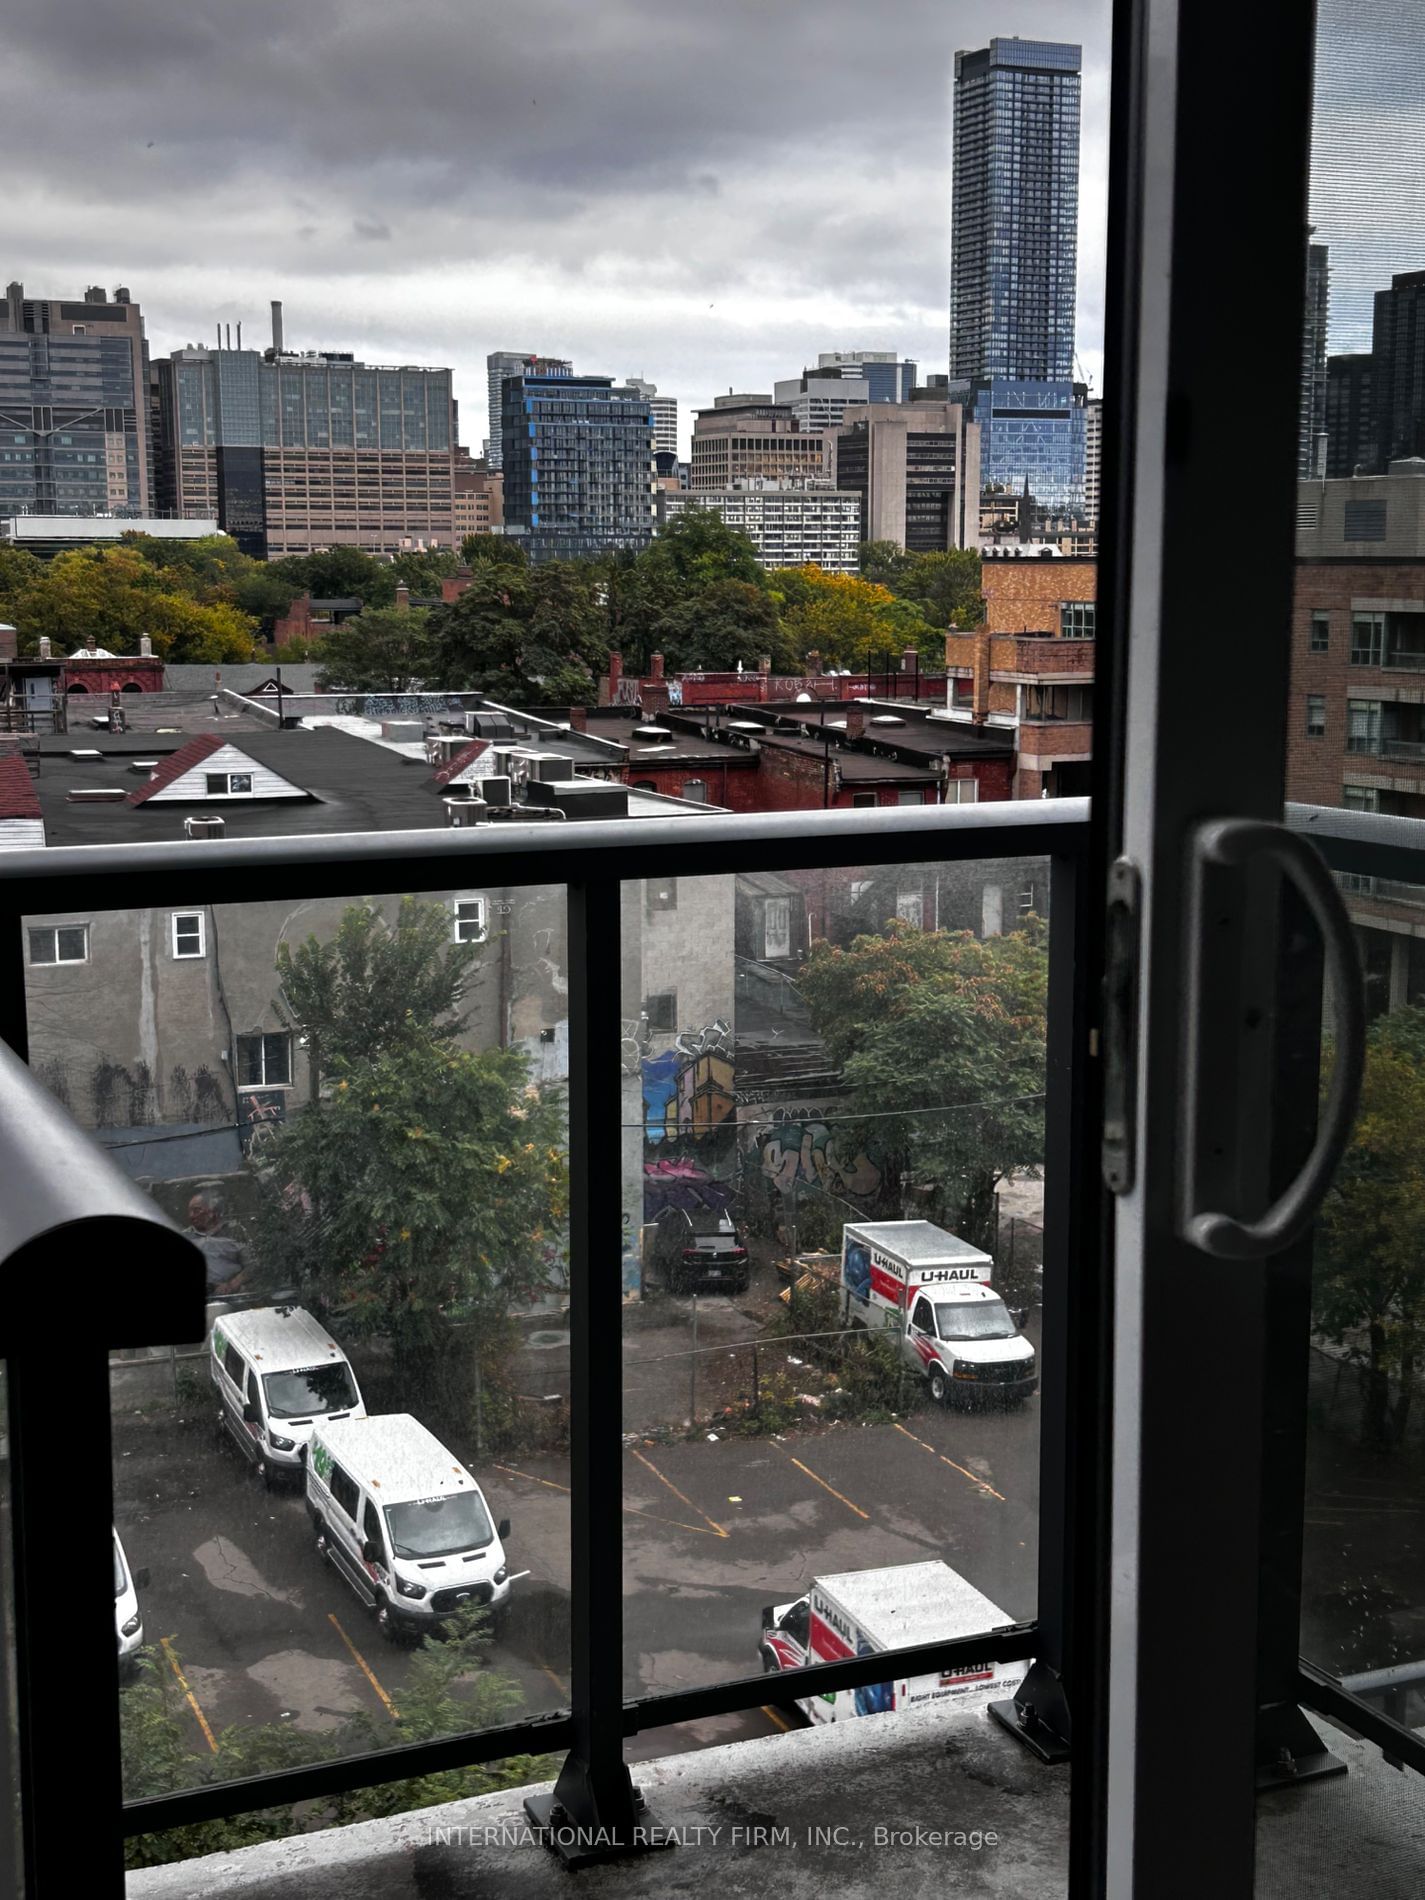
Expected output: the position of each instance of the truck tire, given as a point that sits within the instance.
(939, 1387)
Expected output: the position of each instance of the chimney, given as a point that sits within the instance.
(814, 662)
(615, 675)
(145, 647)
(403, 595)
(855, 721)
(44, 646)
(655, 666)
(276, 326)
(910, 659)
(764, 664)
(239, 335)
(90, 643)
(9, 642)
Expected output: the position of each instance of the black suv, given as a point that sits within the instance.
(701, 1250)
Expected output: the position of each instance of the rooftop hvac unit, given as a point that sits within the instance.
(205, 827)
(496, 789)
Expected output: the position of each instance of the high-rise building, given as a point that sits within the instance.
(498, 365)
(1398, 372)
(478, 498)
(916, 468)
(578, 465)
(1093, 459)
(886, 376)
(1350, 416)
(1015, 213)
(752, 438)
(1311, 433)
(293, 452)
(789, 524)
(74, 407)
(664, 410)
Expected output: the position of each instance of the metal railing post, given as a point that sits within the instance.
(593, 1810)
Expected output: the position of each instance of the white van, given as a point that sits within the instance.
(276, 1372)
(404, 1522)
(128, 1618)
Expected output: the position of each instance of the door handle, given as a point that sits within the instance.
(1231, 843)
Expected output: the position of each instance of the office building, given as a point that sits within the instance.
(915, 468)
(478, 498)
(1033, 440)
(1311, 437)
(293, 452)
(74, 405)
(818, 401)
(1015, 213)
(1093, 460)
(664, 410)
(748, 437)
(1398, 376)
(578, 465)
(1350, 416)
(498, 365)
(788, 525)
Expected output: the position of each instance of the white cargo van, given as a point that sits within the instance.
(128, 1618)
(404, 1522)
(862, 1612)
(276, 1372)
(933, 1292)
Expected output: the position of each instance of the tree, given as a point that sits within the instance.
(1369, 1266)
(941, 1036)
(376, 987)
(19, 570)
(697, 549)
(849, 621)
(945, 586)
(119, 595)
(423, 569)
(712, 631)
(340, 573)
(380, 650)
(527, 636)
(503, 549)
(884, 562)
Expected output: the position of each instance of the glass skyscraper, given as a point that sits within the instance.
(1013, 265)
(578, 465)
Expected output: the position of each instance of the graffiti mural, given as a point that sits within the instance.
(809, 1153)
(684, 1185)
(688, 1089)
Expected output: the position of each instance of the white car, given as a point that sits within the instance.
(128, 1618)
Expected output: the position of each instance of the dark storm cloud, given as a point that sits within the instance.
(605, 173)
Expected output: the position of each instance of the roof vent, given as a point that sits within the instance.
(651, 732)
(204, 827)
(887, 719)
(97, 795)
(86, 754)
(142, 768)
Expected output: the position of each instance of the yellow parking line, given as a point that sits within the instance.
(808, 1472)
(558, 1681)
(980, 1482)
(774, 1715)
(633, 1510)
(635, 1452)
(165, 1643)
(364, 1667)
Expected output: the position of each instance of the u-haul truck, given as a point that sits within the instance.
(862, 1612)
(933, 1292)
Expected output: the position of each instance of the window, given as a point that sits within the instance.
(1024, 903)
(1367, 639)
(962, 791)
(344, 1490)
(863, 798)
(910, 908)
(661, 893)
(371, 1526)
(1360, 798)
(1321, 633)
(188, 934)
(1076, 619)
(234, 1367)
(1315, 715)
(467, 920)
(910, 798)
(661, 1010)
(777, 927)
(1362, 725)
(922, 1317)
(59, 943)
(229, 784)
(696, 789)
(265, 1062)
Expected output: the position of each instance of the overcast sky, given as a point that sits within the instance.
(703, 192)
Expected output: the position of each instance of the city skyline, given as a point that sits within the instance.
(659, 207)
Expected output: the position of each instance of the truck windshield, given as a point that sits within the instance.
(975, 1319)
(310, 1393)
(438, 1527)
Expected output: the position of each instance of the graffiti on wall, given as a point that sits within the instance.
(684, 1185)
(800, 1149)
(687, 1090)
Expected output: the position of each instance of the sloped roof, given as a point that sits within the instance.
(18, 798)
(177, 763)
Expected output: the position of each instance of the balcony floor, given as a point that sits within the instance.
(1364, 1833)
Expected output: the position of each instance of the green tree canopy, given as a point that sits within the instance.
(505, 550)
(531, 636)
(340, 574)
(941, 1036)
(423, 569)
(380, 650)
(1369, 1263)
(712, 630)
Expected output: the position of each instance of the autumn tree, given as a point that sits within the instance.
(847, 620)
(940, 1036)
(1369, 1264)
(118, 594)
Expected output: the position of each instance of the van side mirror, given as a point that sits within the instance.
(503, 1529)
(141, 1579)
(369, 1552)
(249, 1412)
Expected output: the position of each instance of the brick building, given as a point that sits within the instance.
(1029, 669)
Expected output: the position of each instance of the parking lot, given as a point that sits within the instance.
(714, 1526)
